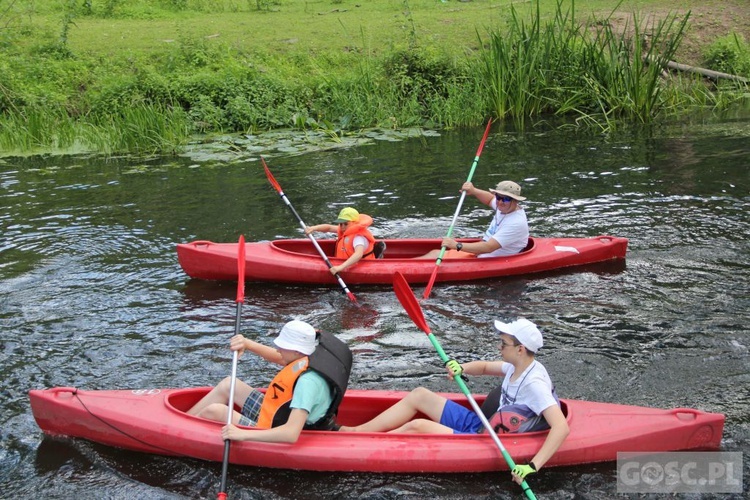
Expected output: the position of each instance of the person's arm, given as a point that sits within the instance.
(558, 431)
(476, 247)
(480, 194)
(359, 251)
(241, 344)
(321, 228)
(287, 433)
(490, 368)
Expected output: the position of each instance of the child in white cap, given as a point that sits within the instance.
(305, 394)
(525, 401)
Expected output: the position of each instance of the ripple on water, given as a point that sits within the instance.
(91, 294)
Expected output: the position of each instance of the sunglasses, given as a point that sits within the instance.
(504, 199)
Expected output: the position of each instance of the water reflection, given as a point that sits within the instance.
(91, 294)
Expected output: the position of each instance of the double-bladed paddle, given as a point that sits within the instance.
(455, 215)
(276, 186)
(230, 411)
(413, 309)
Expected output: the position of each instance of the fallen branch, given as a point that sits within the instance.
(713, 75)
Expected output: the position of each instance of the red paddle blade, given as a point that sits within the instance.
(270, 176)
(241, 269)
(409, 301)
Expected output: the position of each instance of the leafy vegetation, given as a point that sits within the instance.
(143, 76)
(729, 54)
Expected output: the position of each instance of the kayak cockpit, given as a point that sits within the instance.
(394, 249)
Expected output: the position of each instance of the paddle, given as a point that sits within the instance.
(276, 186)
(455, 215)
(410, 303)
(240, 299)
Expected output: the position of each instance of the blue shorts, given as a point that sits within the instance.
(251, 409)
(459, 418)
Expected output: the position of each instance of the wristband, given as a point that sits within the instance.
(459, 246)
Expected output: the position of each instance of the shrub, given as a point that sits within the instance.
(729, 54)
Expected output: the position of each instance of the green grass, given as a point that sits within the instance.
(142, 76)
(140, 27)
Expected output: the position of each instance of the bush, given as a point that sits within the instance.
(729, 54)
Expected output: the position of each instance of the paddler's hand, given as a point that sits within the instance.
(309, 230)
(449, 243)
(238, 343)
(520, 472)
(454, 368)
(231, 432)
(468, 187)
(335, 270)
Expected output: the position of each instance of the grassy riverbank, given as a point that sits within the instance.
(142, 76)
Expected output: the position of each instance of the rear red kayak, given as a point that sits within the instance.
(153, 421)
(297, 261)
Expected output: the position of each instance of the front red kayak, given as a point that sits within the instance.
(297, 261)
(153, 421)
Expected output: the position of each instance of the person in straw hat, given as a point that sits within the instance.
(508, 232)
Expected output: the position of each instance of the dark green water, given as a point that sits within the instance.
(91, 294)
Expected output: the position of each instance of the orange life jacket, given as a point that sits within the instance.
(345, 241)
(332, 360)
(280, 391)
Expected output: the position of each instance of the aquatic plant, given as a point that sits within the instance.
(587, 70)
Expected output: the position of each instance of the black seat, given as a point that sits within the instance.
(379, 249)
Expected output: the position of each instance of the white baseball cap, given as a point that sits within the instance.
(297, 336)
(525, 331)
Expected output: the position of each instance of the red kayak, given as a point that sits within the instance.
(153, 421)
(297, 261)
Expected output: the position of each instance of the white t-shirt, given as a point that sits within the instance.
(360, 241)
(533, 388)
(510, 230)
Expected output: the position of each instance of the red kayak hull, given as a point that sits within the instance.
(297, 261)
(153, 421)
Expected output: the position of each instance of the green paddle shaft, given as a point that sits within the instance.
(410, 303)
(462, 385)
(458, 210)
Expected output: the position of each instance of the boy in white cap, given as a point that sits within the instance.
(524, 402)
(508, 233)
(354, 241)
(305, 394)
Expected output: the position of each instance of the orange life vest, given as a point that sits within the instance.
(332, 360)
(345, 241)
(280, 391)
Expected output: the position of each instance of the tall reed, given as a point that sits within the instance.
(142, 129)
(587, 70)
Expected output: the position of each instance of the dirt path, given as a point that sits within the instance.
(708, 21)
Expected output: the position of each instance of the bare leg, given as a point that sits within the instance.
(419, 400)
(432, 254)
(422, 426)
(218, 412)
(219, 395)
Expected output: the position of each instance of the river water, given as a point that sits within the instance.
(92, 296)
